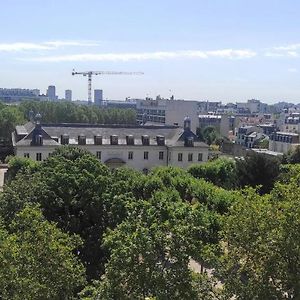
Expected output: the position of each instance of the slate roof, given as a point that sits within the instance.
(174, 135)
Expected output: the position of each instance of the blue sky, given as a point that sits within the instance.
(229, 50)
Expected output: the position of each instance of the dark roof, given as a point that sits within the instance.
(174, 135)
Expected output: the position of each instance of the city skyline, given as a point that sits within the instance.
(199, 50)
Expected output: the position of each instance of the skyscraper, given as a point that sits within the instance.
(51, 93)
(98, 97)
(68, 95)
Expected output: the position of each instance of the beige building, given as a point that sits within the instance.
(169, 112)
(283, 142)
(138, 147)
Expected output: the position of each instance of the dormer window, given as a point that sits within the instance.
(145, 140)
(81, 140)
(39, 140)
(98, 140)
(64, 139)
(114, 139)
(160, 139)
(189, 141)
(130, 140)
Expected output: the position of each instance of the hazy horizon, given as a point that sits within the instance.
(196, 50)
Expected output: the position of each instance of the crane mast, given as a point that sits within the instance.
(89, 74)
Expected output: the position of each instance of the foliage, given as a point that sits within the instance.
(68, 112)
(10, 116)
(292, 157)
(263, 143)
(72, 188)
(256, 169)
(19, 164)
(84, 197)
(221, 172)
(262, 237)
(151, 248)
(289, 172)
(37, 260)
(210, 135)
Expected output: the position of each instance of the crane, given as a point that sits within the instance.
(90, 73)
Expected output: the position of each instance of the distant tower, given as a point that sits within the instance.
(98, 97)
(51, 93)
(68, 95)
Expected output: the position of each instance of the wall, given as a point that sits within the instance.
(138, 162)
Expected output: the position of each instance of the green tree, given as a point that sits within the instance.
(151, 250)
(292, 157)
(210, 135)
(10, 116)
(73, 189)
(19, 164)
(221, 172)
(58, 112)
(37, 260)
(257, 169)
(261, 246)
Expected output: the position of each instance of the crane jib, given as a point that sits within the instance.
(90, 73)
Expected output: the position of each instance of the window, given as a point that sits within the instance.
(26, 155)
(179, 156)
(146, 154)
(130, 155)
(200, 156)
(39, 157)
(190, 157)
(98, 155)
(161, 155)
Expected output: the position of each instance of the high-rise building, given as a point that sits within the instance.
(68, 95)
(51, 93)
(98, 97)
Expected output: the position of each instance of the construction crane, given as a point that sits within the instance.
(90, 73)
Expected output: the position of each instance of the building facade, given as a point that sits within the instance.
(11, 95)
(51, 92)
(138, 147)
(68, 95)
(169, 112)
(283, 142)
(98, 97)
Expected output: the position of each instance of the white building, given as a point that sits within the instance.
(248, 135)
(138, 147)
(168, 112)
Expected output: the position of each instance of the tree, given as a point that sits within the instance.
(292, 157)
(221, 172)
(151, 249)
(37, 260)
(73, 189)
(58, 112)
(10, 116)
(261, 245)
(210, 134)
(19, 164)
(257, 169)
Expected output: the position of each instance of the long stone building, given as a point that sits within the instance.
(141, 147)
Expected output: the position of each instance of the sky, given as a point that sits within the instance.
(216, 50)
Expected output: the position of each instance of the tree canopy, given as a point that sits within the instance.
(135, 236)
(36, 259)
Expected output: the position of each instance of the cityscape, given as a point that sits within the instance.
(150, 150)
